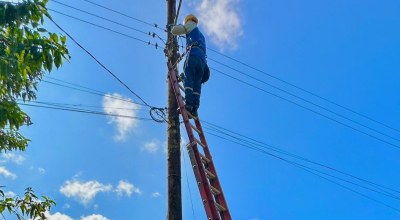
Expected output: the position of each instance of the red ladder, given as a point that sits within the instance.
(203, 166)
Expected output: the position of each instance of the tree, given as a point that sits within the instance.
(27, 52)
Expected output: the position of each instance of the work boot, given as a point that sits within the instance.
(189, 108)
(194, 111)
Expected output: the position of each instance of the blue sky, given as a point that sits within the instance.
(100, 167)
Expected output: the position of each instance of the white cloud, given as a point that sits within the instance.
(126, 187)
(18, 159)
(41, 170)
(220, 20)
(155, 195)
(125, 108)
(151, 146)
(66, 206)
(7, 173)
(9, 194)
(84, 192)
(95, 217)
(96, 206)
(59, 216)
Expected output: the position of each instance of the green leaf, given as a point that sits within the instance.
(42, 30)
(63, 39)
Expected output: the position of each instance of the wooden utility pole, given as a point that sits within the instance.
(174, 136)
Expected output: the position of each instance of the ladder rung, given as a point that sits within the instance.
(181, 87)
(204, 158)
(214, 190)
(209, 174)
(220, 207)
(190, 115)
(199, 142)
(194, 128)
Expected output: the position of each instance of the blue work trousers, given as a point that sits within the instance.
(194, 71)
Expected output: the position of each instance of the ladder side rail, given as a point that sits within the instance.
(204, 188)
(215, 182)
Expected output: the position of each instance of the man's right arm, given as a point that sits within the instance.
(183, 29)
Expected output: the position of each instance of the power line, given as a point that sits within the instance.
(87, 112)
(94, 93)
(270, 147)
(109, 71)
(87, 106)
(136, 19)
(258, 144)
(187, 181)
(314, 173)
(304, 90)
(86, 12)
(304, 100)
(120, 24)
(327, 117)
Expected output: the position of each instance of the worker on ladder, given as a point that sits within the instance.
(195, 63)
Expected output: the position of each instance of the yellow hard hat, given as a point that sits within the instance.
(191, 17)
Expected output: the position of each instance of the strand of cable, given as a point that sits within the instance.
(377, 189)
(327, 117)
(87, 112)
(109, 71)
(177, 13)
(97, 16)
(99, 26)
(270, 75)
(291, 94)
(270, 147)
(157, 114)
(86, 106)
(296, 104)
(187, 181)
(306, 91)
(136, 19)
(154, 35)
(102, 94)
(301, 167)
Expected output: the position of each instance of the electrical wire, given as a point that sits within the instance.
(112, 21)
(86, 12)
(270, 147)
(86, 106)
(291, 94)
(304, 90)
(102, 94)
(187, 181)
(327, 117)
(109, 71)
(374, 185)
(301, 167)
(136, 19)
(87, 112)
